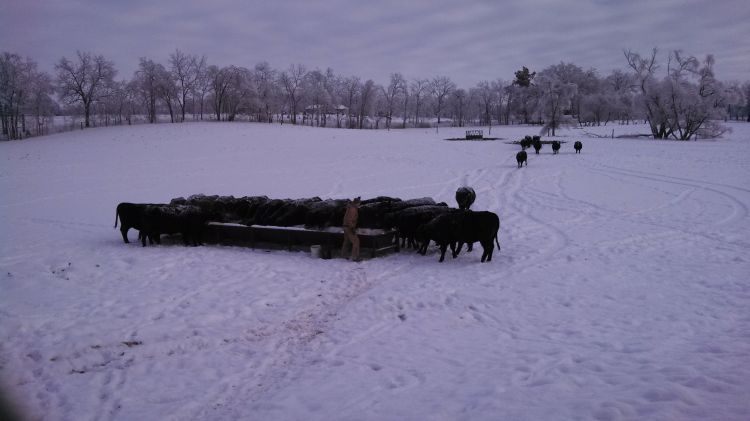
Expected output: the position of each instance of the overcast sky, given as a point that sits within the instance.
(466, 40)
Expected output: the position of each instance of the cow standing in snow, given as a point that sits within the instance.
(537, 145)
(465, 196)
(521, 158)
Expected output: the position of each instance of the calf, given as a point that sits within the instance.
(578, 146)
(465, 196)
(555, 147)
(521, 158)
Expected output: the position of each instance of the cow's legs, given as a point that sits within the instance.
(487, 251)
(457, 250)
(443, 248)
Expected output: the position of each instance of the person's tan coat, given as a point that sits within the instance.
(351, 215)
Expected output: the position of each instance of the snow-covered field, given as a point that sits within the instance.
(622, 290)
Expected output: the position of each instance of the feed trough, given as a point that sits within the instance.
(373, 242)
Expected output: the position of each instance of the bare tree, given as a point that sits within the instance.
(404, 88)
(132, 104)
(735, 99)
(621, 87)
(147, 83)
(201, 89)
(390, 94)
(645, 68)
(24, 92)
(555, 98)
(117, 104)
(291, 81)
(365, 101)
(440, 88)
(419, 89)
(185, 71)
(41, 105)
(684, 102)
(168, 90)
(315, 90)
(351, 86)
(82, 81)
(486, 96)
(459, 100)
(106, 107)
(500, 96)
(221, 80)
(331, 85)
(14, 82)
(266, 90)
(240, 94)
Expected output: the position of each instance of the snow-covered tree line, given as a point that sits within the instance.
(679, 99)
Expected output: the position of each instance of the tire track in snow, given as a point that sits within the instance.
(294, 344)
(739, 208)
(558, 240)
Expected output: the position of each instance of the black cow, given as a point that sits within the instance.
(465, 196)
(187, 220)
(521, 158)
(526, 142)
(407, 222)
(372, 212)
(555, 147)
(443, 230)
(479, 226)
(248, 207)
(326, 213)
(264, 213)
(578, 146)
(422, 201)
(292, 213)
(461, 227)
(537, 144)
(211, 206)
(130, 216)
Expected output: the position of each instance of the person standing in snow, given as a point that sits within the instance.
(350, 229)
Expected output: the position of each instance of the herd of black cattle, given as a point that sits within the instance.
(536, 142)
(416, 222)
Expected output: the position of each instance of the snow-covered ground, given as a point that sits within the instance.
(622, 290)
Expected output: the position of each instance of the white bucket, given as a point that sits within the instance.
(315, 251)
